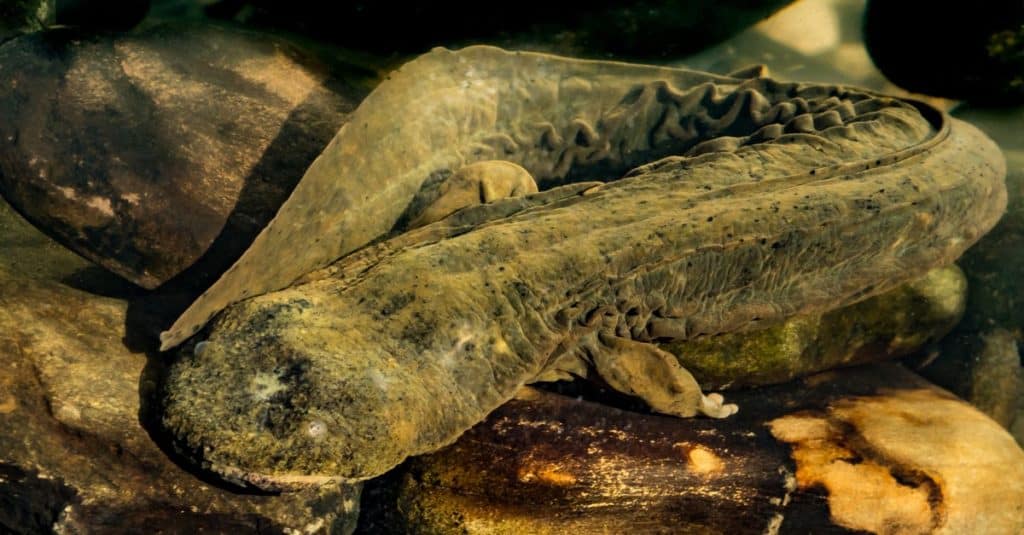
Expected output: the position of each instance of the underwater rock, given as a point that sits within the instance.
(74, 457)
(959, 52)
(636, 29)
(144, 151)
(26, 252)
(983, 368)
(811, 40)
(872, 449)
(885, 326)
(991, 378)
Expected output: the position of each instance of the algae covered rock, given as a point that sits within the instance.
(889, 325)
(76, 455)
(145, 151)
(28, 253)
(993, 380)
(873, 449)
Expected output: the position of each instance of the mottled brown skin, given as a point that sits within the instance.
(784, 199)
(558, 118)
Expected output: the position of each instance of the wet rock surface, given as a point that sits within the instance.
(871, 449)
(990, 376)
(144, 151)
(75, 455)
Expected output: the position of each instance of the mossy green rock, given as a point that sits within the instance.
(889, 325)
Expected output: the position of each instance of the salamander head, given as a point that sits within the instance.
(256, 409)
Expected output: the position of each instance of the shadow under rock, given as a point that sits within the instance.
(31, 502)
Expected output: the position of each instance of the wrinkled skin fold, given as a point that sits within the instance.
(723, 205)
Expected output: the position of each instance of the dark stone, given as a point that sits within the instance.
(105, 14)
(30, 503)
(961, 51)
(985, 369)
(144, 151)
(648, 28)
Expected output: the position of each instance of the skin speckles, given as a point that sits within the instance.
(316, 429)
(379, 380)
(464, 342)
(264, 386)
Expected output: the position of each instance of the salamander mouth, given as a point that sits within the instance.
(273, 482)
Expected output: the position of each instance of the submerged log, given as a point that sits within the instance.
(872, 449)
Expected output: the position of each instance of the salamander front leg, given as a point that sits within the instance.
(641, 369)
(477, 183)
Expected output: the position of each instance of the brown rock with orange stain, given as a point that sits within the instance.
(873, 449)
(909, 461)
